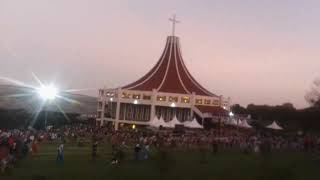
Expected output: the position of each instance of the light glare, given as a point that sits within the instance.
(48, 92)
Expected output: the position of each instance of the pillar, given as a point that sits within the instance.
(153, 100)
(103, 109)
(116, 122)
(192, 105)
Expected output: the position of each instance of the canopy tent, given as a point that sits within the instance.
(173, 122)
(162, 123)
(232, 122)
(274, 126)
(154, 122)
(192, 124)
(245, 124)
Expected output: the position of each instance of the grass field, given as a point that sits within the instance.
(179, 164)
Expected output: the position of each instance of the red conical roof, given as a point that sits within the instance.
(169, 74)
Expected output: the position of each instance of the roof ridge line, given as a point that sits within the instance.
(177, 68)
(168, 65)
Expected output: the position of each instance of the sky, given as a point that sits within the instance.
(261, 52)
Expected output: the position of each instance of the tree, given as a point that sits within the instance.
(313, 95)
(238, 109)
(288, 106)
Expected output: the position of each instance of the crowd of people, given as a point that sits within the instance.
(16, 144)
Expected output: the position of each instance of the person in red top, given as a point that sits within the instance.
(10, 141)
(306, 143)
(34, 147)
(4, 152)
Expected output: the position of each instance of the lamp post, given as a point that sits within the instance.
(111, 104)
(135, 110)
(46, 117)
(174, 112)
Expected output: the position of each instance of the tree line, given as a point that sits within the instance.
(20, 118)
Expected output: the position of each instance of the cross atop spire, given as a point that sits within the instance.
(174, 21)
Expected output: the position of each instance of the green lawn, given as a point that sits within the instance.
(178, 164)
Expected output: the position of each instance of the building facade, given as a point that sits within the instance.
(167, 90)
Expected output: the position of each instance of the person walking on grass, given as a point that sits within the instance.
(146, 151)
(60, 156)
(94, 150)
(137, 150)
(115, 155)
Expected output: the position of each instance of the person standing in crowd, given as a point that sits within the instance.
(60, 156)
(25, 148)
(94, 150)
(4, 151)
(115, 155)
(137, 150)
(34, 148)
(146, 150)
(214, 145)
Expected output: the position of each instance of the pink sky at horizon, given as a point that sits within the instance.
(262, 52)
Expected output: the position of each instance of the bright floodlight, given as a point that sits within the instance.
(48, 92)
(135, 101)
(231, 114)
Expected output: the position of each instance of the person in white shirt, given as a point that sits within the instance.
(60, 156)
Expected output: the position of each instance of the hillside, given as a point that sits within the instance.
(17, 97)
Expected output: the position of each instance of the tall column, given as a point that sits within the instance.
(192, 105)
(153, 100)
(116, 122)
(229, 103)
(143, 113)
(102, 98)
(220, 99)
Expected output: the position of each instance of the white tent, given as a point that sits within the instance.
(158, 122)
(154, 122)
(162, 123)
(245, 124)
(173, 122)
(274, 126)
(232, 122)
(192, 124)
